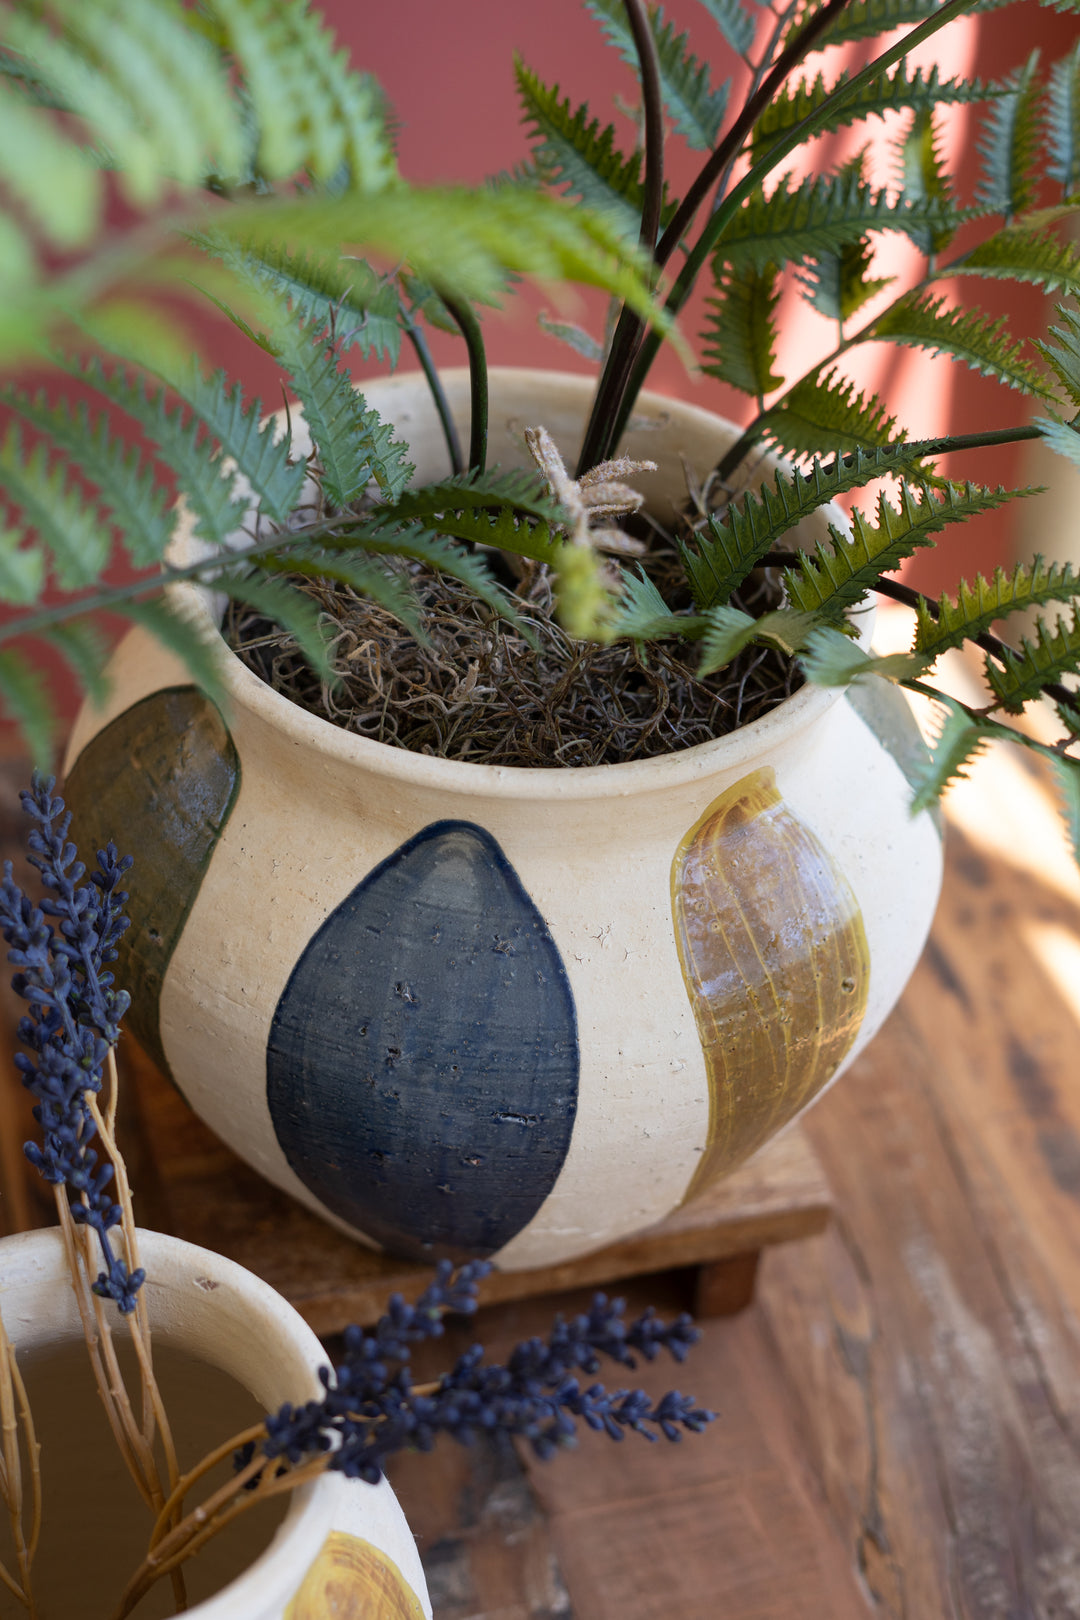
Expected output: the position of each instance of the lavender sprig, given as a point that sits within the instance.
(370, 1408)
(74, 1015)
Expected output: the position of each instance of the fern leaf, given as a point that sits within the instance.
(696, 109)
(865, 19)
(721, 559)
(735, 22)
(364, 306)
(578, 156)
(1063, 122)
(284, 605)
(355, 445)
(1064, 355)
(960, 739)
(86, 652)
(66, 522)
(1021, 254)
(575, 337)
(921, 321)
(139, 505)
(832, 659)
(924, 177)
(827, 412)
(49, 175)
(521, 490)
(892, 92)
(390, 590)
(740, 332)
(977, 607)
(840, 574)
(22, 568)
(1022, 676)
(193, 459)
(260, 456)
(642, 613)
(1067, 771)
(24, 696)
(155, 93)
(188, 639)
(1060, 436)
(504, 530)
(820, 215)
(418, 544)
(17, 71)
(1009, 142)
(311, 110)
(728, 631)
(839, 284)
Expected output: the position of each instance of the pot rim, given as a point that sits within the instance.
(280, 1566)
(733, 751)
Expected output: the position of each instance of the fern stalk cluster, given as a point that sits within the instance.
(236, 131)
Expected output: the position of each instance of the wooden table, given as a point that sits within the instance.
(899, 1429)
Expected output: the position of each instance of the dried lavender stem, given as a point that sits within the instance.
(10, 1382)
(207, 1521)
(33, 1449)
(201, 1468)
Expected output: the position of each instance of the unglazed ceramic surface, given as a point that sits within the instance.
(221, 1314)
(462, 1008)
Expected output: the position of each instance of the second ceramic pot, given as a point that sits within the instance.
(463, 1009)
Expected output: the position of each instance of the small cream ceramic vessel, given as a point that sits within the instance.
(552, 1055)
(217, 1312)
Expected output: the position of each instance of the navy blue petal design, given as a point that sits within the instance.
(422, 1065)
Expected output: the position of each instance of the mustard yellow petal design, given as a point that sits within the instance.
(352, 1580)
(775, 962)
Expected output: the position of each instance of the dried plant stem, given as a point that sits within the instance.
(208, 1519)
(193, 1475)
(15, 1410)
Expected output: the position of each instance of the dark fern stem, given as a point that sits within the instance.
(74, 1016)
(466, 318)
(371, 1409)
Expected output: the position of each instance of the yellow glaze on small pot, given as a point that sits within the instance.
(352, 1580)
(775, 961)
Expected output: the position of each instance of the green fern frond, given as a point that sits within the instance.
(958, 742)
(18, 72)
(841, 573)
(735, 22)
(1023, 676)
(721, 560)
(1063, 122)
(820, 215)
(642, 613)
(190, 640)
(924, 177)
(24, 697)
(419, 544)
(49, 175)
(865, 19)
(581, 158)
(740, 331)
(575, 337)
(696, 109)
(192, 457)
(312, 112)
(58, 509)
(832, 659)
(977, 607)
(22, 567)
(381, 584)
(1009, 144)
(139, 505)
(921, 321)
(1061, 436)
(85, 650)
(1067, 771)
(365, 307)
(504, 530)
(839, 284)
(1019, 253)
(1064, 355)
(519, 489)
(892, 92)
(827, 412)
(355, 445)
(281, 603)
(153, 91)
(728, 631)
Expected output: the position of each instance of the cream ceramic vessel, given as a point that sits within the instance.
(341, 1541)
(468, 1009)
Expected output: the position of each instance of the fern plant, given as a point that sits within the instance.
(235, 131)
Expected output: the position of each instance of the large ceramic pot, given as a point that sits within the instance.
(343, 1547)
(461, 1008)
